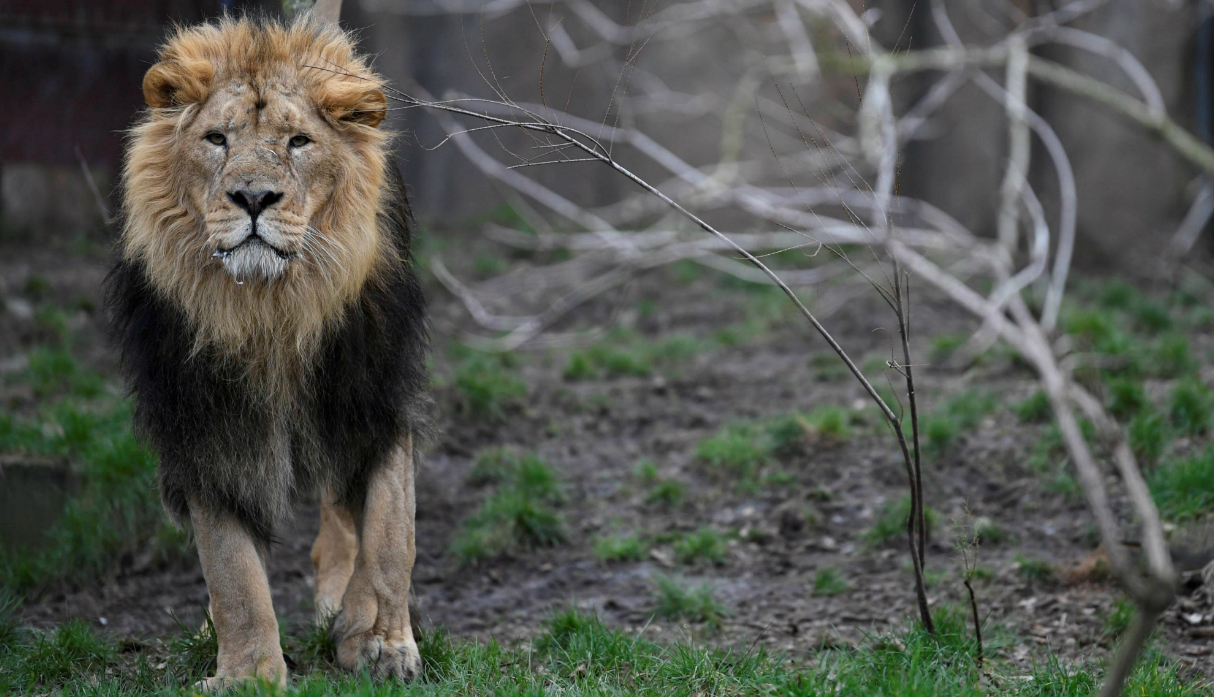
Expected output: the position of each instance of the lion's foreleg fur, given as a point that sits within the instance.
(373, 630)
(233, 563)
(333, 555)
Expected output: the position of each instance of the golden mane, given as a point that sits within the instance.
(269, 326)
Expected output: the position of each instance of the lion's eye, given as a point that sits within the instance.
(299, 141)
(216, 139)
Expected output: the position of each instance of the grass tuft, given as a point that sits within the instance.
(891, 523)
(829, 582)
(704, 544)
(1190, 406)
(1127, 398)
(1034, 570)
(619, 548)
(1035, 408)
(677, 601)
(1184, 489)
(487, 386)
(519, 516)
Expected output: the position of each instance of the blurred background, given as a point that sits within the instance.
(73, 72)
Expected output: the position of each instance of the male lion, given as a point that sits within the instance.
(272, 328)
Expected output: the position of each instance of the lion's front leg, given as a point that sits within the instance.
(234, 567)
(333, 556)
(372, 630)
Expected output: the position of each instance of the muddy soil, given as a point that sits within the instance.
(594, 432)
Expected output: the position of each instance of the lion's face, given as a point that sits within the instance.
(255, 182)
(263, 161)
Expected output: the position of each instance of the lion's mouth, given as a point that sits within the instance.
(253, 239)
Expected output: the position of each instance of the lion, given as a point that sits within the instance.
(272, 329)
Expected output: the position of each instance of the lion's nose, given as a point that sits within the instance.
(254, 202)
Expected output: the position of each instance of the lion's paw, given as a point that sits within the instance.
(394, 658)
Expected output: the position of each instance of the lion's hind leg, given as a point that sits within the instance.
(233, 564)
(333, 555)
(372, 630)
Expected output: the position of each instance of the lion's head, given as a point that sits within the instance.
(253, 183)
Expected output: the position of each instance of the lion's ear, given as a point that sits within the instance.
(355, 101)
(174, 83)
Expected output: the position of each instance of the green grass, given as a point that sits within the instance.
(486, 385)
(517, 517)
(619, 548)
(626, 354)
(1127, 398)
(1184, 489)
(959, 413)
(829, 582)
(1190, 407)
(579, 656)
(115, 512)
(679, 601)
(988, 533)
(1034, 409)
(703, 545)
(741, 450)
(890, 525)
(1034, 570)
(493, 465)
(1172, 357)
(737, 450)
(1118, 620)
(1148, 435)
(667, 493)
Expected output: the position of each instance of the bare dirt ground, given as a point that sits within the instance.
(594, 432)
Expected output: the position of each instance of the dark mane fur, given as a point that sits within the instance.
(362, 392)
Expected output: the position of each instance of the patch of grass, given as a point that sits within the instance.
(193, 651)
(1190, 407)
(738, 450)
(312, 650)
(792, 434)
(58, 656)
(493, 465)
(1118, 619)
(619, 548)
(1093, 327)
(646, 472)
(1034, 409)
(1034, 570)
(829, 582)
(1126, 398)
(704, 544)
(1172, 357)
(53, 371)
(626, 354)
(959, 413)
(1184, 489)
(667, 492)
(579, 656)
(891, 523)
(988, 533)
(115, 511)
(1117, 295)
(1148, 435)
(677, 601)
(1151, 317)
(486, 385)
(517, 517)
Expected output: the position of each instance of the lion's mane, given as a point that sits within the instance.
(254, 394)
